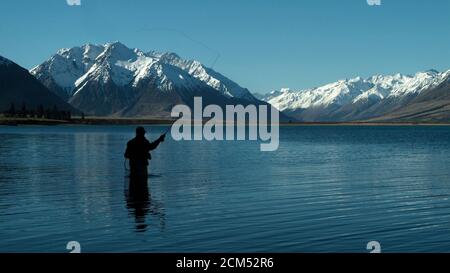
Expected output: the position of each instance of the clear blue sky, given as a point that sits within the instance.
(261, 44)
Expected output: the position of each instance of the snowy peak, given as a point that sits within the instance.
(132, 67)
(351, 91)
(68, 65)
(118, 52)
(71, 68)
(207, 75)
(91, 52)
(166, 57)
(339, 93)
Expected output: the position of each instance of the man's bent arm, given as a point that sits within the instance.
(153, 145)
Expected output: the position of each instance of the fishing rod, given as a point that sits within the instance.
(168, 130)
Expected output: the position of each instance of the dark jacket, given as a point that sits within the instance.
(138, 150)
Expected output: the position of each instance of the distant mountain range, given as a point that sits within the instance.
(19, 88)
(422, 97)
(114, 80)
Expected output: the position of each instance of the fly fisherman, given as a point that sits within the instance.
(138, 152)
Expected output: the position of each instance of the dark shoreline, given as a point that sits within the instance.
(119, 121)
(87, 121)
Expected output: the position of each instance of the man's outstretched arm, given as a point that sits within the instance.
(153, 145)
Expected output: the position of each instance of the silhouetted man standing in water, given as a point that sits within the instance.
(138, 152)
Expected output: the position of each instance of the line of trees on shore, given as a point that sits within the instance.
(40, 112)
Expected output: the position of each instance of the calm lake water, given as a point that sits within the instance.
(327, 189)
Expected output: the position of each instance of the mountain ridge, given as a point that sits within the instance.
(356, 99)
(107, 80)
(19, 88)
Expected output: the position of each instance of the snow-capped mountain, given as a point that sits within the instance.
(357, 98)
(113, 79)
(217, 81)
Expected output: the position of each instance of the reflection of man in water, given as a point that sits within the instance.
(140, 203)
(138, 152)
